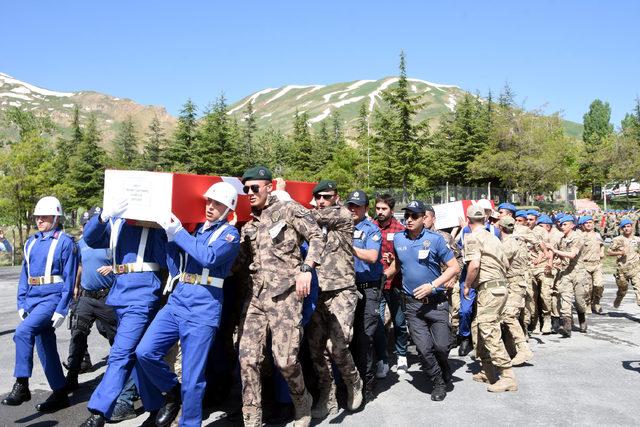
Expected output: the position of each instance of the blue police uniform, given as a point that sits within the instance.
(45, 287)
(428, 320)
(200, 264)
(139, 253)
(367, 235)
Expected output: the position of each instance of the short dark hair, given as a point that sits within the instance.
(387, 199)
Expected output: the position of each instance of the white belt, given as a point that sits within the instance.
(136, 267)
(196, 279)
(44, 280)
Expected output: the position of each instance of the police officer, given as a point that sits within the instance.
(44, 292)
(592, 261)
(279, 281)
(626, 248)
(199, 263)
(367, 249)
(487, 274)
(139, 255)
(419, 253)
(331, 326)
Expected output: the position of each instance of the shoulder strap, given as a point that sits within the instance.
(144, 235)
(113, 239)
(217, 233)
(52, 250)
(27, 252)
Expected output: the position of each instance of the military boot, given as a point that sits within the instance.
(565, 327)
(439, 391)
(326, 404)
(582, 318)
(354, 395)
(302, 405)
(524, 354)
(171, 407)
(555, 325)
(56, 401)
(546, 325)
(465, 346)
(19, 394)
(507, 382)
(487, 374)
(71, 382)
(617, 301)
(95, 420)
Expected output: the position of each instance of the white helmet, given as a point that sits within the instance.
(48, 205)
(484, 204)
(224, 193)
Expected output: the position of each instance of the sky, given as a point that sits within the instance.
(557, 56)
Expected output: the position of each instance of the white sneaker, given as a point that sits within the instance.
(402, 365)
(382, 370)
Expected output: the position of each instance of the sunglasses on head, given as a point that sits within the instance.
(413, 215)
(255, 188)
(323, 196)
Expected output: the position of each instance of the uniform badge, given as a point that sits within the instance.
(229, 238)
(426, 244)
(375, 237)
(275, 217)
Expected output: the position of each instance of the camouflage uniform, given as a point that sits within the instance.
(453, 294)
(542, 276)
(570, 280)
(554, 240)
(531, 239)
(592, 262)
(628, 266)
(270, 247)
(331, 326)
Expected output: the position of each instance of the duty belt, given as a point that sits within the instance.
(376, 284)
(493, 284)
(136, 268)
(44, 280)
(99, 294)
(431, 299)
(196, 279)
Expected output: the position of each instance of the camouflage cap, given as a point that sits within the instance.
(475, 212)
(262, 173)
(507, 223)
(325, 185)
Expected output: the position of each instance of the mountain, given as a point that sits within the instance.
(59, 106)
(276, 107)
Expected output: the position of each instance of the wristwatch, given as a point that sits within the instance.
(306, 268)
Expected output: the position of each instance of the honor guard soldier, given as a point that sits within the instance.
(44, 291)
(626, 247)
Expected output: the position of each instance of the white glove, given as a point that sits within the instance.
(57, 319)
(22, 314)
(117, 209)
(171, 226)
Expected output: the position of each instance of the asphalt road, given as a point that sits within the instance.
(589, 379)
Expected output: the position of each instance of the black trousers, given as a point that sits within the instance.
(431, 332)
(87, 311)
(364, 328)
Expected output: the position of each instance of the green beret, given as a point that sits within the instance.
(262, 173)
(325, 185)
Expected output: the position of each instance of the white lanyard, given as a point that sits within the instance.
(50, 254)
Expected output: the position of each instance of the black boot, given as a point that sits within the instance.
(122, 411)
(171, 407)
(71, 382)
(583, 322)
(86, 364)
(555, 325)
(94, 420)
(447, 376)
(151, 420)
(56, 401)
(439, 391)
(465, 346)
(19, 394)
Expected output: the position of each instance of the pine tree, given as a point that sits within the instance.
(303, 146)
(248, 133)
(507, 98)
(125, 146)
(597, 128)
(178, 155)
(363, 140)
(86, 167)
(151, 159)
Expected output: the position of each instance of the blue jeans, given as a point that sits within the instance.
(129, 393)
(466, 308)
(400, 330)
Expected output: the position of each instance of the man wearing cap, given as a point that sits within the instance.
(570, 276)
(517, 253)
(419, 254)
(521, 217)
(532, 217)
(331, 326)
(138, 259)
(367, 245)
(198, 264)
(487, 274)
(593, 254)
(626, 247)
(389, 226)
(538, 297)
(506, 209)
(544, 274)
(278, 282)
(44, 291)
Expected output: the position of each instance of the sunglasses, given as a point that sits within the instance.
(323, 196)
(255, 188)
(413, 215)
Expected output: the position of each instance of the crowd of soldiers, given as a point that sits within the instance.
(294, 300)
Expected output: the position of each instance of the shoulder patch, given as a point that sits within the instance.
(229, 237)
(375, 237)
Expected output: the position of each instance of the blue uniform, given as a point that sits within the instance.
(92, 259)
(139, 254)
(367, 235)
(45, 287)
(192, 315)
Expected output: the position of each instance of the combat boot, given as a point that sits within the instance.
(95, 420)
(465, 346)
(617, 301)
(524, 354)
(582, 318)
(354, 395)
(326, 404)
(487, 374)
(171, 407)
(302, 405)
(56, 401)
(507, 382)
(19, 394)
(546, 325)
(555, 325)
(71, 382)
(565, 327)
(439, 391)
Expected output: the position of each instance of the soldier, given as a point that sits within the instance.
(532, 217)
(506, 209)
(570, 277)
(487, 274)
(44, 292)
(331, 325)
(544, 275)
(521, 217)
(517, 254)
(419, 253)
(626, 247)
(279, 281)
(367, 245)
(592, 260)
